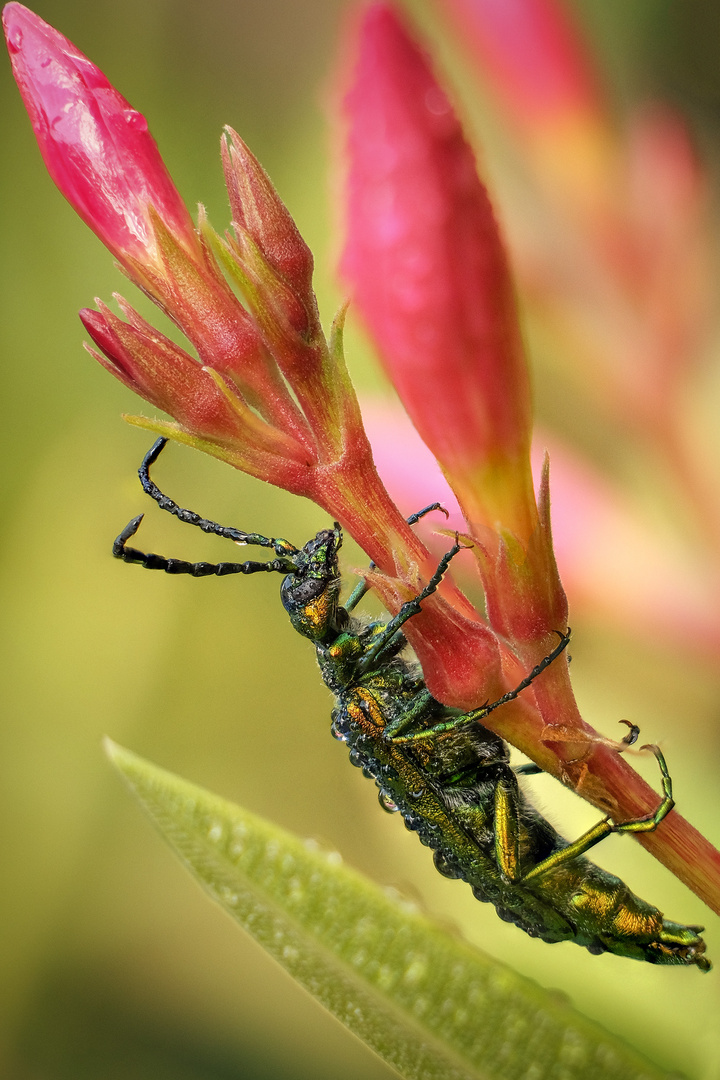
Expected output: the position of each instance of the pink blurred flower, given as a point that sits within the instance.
(532, 53)
(611, 239)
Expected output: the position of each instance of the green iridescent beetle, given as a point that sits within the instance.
(447, 775)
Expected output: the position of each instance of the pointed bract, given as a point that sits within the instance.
(161, 372)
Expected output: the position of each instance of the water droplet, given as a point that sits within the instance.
(296, 890)
(15, 39)
(415, 971)
(135, 119)
(387, 803)
(239, 832)
(215, 832)
(337, 733)
(444, 866)
(272, 849)
(436, 102)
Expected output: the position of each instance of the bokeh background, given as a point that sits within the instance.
(114, 964)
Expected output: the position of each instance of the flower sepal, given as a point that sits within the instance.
(525, 600)
(459, 655)
(282, 319)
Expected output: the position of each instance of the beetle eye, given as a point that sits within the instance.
(296, 594)
(307, 590)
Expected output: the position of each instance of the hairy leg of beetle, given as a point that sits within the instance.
(363, 586)
(479, 714)
(411, 607)
(632, 735)
(414, 714)
(593, 836)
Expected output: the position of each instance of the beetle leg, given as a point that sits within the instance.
(479, 714)
(358, 592)
(528, 769)
(647, 823)
(363, 586)
(507, 847)
(414, 518)
(384, 640)
(632, 735)
(413, 713)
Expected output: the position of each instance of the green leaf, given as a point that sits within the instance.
(430, 1005)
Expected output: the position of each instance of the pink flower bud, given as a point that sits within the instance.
(428, 272)
(96, 147)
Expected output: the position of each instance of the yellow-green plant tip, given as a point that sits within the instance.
(170, 430)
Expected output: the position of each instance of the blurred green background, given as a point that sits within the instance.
(113, 962)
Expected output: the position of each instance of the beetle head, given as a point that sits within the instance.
(310, 593)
